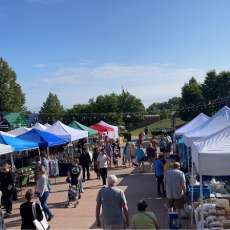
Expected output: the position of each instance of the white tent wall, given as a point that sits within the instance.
(4, 149)
(195, 123)
(112, 134)
(215, 124)
(212, 155)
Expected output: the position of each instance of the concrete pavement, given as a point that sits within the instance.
(135, 184)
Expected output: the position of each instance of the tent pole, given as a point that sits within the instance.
(202, 202)
(39, 153)
(192, 195)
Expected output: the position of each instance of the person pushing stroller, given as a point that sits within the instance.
(75, 181)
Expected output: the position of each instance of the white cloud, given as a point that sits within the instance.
(151, 83)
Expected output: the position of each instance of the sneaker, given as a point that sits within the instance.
(50, 218)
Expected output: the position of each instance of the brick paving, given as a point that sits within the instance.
(135, 184)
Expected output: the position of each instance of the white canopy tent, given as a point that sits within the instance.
(40, 127)
(67, 133)
(216, 123)
(19, 131)
(211, 156)
(4, 149)
(111, 134)
(195, 123)
(47, 125)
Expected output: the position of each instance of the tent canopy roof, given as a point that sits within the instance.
(16, 119)
(196, 122)
(216, 123)
(19, 131)
(67, 133)
(100, 128)
(39, 126)
(44, 139)
(17, 143)
(212, 155)
(77, 125)
(112, 134)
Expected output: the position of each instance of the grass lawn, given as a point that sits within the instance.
(162, 124)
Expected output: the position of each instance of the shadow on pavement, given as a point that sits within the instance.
(143, 186)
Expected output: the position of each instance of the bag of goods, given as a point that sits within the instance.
(222, 203)
(226, 224)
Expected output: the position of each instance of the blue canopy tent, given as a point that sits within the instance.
(17, 143)
(42, 138)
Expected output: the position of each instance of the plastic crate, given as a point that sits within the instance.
(196, 192)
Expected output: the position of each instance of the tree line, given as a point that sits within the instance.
(124, 108)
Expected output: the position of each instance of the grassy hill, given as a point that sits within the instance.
(162, 124)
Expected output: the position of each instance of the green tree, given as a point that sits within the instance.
(109, 107)
(191, 98)
(52, 110)
(12, 99)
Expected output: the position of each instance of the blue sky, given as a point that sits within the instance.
(79, 49)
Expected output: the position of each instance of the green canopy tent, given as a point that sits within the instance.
(77, 125)
(16, 120)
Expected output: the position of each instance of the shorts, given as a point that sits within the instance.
(176, 203)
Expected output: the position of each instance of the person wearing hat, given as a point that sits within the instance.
(7, 187)
(144, 219)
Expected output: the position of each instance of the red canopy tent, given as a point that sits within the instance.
(101, 129)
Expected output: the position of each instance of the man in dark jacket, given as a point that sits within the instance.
(7, 187)
(85, 162)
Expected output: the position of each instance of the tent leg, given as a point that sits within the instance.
(39, 153)
(202, 202)
(192, 195)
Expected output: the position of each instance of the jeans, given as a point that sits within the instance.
(43, 199)
(160, 185)
(7, 201)
(103, 172)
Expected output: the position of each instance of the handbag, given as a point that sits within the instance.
(40, 225)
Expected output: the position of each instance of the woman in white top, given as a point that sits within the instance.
(43, 192)
(102, 161)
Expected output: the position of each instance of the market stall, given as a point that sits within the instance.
(79, 126)
(216, 123)
(65, 132)
(111, 134)
(194, 124)
(211, 157)
(101, 129)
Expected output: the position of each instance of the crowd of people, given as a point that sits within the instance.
(151, 154)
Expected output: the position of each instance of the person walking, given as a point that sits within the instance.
(114, 205)
(175, 185)
(140, 156)
(26, 212)
(103, 165)
(126, 155)
(95, 163)
(7, 187)
(43, 193)
(159, 173)
(151, 154)
(85, 162)
(144, 219)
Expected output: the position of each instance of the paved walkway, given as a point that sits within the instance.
(135, 184)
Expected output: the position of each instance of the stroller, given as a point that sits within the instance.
(73, 196)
